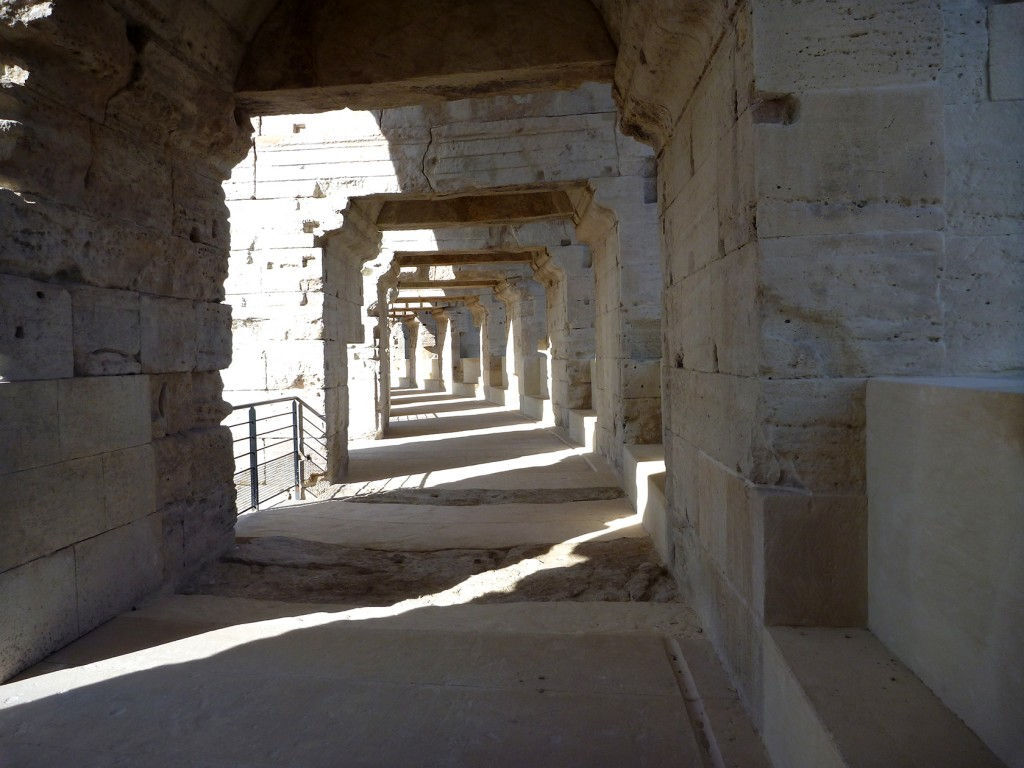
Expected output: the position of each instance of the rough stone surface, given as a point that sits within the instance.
(833, 193)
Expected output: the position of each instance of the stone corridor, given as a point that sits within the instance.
(512, 382)
(479, 592)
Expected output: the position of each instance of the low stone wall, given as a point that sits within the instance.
(945, 472)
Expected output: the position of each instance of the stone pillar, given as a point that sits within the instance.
(621, 227)
(447, 346)
(402, 372)
(428, 352)
(493, 341)
(467, 372)
(569, 280)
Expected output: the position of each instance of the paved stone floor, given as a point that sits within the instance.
(479, 593)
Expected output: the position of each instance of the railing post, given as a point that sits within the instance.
(254, 475)
(295, 448)
(302, 449)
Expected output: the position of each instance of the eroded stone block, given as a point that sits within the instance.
(29, 426)
(106, 331)
(799, 46)
(168, 335)
(1006, 51)
(116, 568)
(35, 330)
(41, 594)
(103, 413)
(213, 336)
(815, 559)
(129, 482)
(52, 507)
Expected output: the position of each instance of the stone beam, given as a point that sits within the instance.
(462, 258)
(456, 283)
(508, 208)
(317, 56)
(431, 300)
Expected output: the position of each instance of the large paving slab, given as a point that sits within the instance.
(316, 690)
(420, 527)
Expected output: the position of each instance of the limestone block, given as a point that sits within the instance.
(173, 466)
(982, 286)
(120, 403)
(811, 435)
(689, 335)
(46, 151)
(572, 147)
(35, 330)
(208, 527)
(39, 609)
(713, 104)
(964, 75)
(29, 426)
(199, 210)
(743, 75)
(802, 46)
(201, 271)
(691, 224)
(851, 305)
(106, 331)
(682, 481)
(641, 421)
(212, 45)
(984, 157)
(729, 620)
(168, 335)
(129, 479)
(171, 403)
(945, 466)
(209, 408)
(213, 336)
(116, 569)
(1006, 51)
(119, 170)
(210, 452)
(715, 412)
(641, 378)
(737, 196)
(89, 36)
(819, 174)
(641, 334)
(716, 489)
(173, 544)
(55, 506)
(815, 559)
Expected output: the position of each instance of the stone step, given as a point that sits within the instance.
(583, 427)
(837, 698)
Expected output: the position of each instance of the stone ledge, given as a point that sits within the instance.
(583, 428)
(538, 408)
(837, 698)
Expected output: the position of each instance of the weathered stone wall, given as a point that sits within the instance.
(946, 556)
(115, 137)
(827, 216)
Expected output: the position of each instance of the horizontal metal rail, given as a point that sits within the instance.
(264, 482)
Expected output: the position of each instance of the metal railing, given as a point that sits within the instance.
(285, 445)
